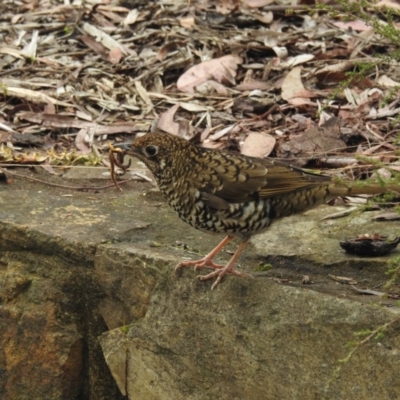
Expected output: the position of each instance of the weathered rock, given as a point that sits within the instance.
(252, 339)
(73, 268)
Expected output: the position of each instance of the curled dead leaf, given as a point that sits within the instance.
(221, 69)
(258, 145)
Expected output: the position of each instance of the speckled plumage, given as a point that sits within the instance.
(220, 192)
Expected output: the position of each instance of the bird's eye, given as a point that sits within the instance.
(151, 150)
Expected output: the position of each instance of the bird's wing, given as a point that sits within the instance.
(236, 179)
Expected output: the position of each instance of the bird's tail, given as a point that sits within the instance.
(305, 199)
(359, 187)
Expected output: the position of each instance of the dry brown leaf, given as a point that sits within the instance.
(312, 143)
(115, 55)
(257, 3)
(187, 22)
(253, 85)
(48, 168)
(338, 67)
(31, 96)
(293, 61)
(393, 216)
(357, 25)
(143, 93)
(258, 145)
(343, 279)
(301, 101)
(105, 39)
(81, 140)
(94, 45)
(221, 69)
(388, 4)
(265, 17)
(166, 121)
(212, 86)
(131, 17)
(226, 6)
(387, 82)
(292, 84)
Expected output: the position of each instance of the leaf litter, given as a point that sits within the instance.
(251, 76)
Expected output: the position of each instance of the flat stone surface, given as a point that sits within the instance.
(77, 264)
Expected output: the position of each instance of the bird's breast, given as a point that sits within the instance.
(250, 217)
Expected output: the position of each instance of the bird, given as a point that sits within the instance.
(221, 192)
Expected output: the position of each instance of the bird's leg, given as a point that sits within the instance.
(207, 260)
(228, 269)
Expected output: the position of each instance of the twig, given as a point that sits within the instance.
(63, 186)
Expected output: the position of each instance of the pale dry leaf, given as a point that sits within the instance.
(336, 67)
(265, 17)
(343, 279)
(166, 121)
(297, 60)
(204, 135)
(102, 37)
(96, 46)
(31, 95)
(131, 18)
(81, 141)
(48, 168)
(30, 49)
(187, 22)
(219, 134)
(351, 96)
(12, 52)
(388, 4)
(115, 55)
(256, 93)
(271, 38)
(147, 52)
(143, 93)
(357, 25)
(387, 82)
(253, 85)
(301, 101)
(193, 107)
(258, 145)
(394, 216)
(212, 86)
(310, 24)
(281, 52)
(221, 69)
(84, 115)
(225, 6)
(381, 174)
(49, 108)
(292, 84)
(257, 3)
(363, 39)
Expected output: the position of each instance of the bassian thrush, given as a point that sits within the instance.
(220, 192)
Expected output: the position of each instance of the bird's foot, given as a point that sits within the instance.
(220, 273)
(202, 263)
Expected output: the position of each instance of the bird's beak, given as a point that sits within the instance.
(127, 147)
(124, 146)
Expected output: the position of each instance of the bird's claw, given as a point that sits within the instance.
(197, 264)
(220, 273)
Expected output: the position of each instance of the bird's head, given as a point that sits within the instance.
(159, 151)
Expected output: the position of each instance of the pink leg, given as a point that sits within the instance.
(228, 269)
(207, 260)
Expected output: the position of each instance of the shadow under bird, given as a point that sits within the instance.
(232, 194)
